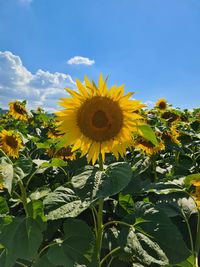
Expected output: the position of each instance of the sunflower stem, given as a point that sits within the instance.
(23, 196)
(99, 219)
(197, 245)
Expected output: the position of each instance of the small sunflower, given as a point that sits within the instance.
(10, 143)
(173, 134)
(18, 111)
(170, 116)
(62, 153)
(147, 147)
(161, 104)
(196, 195)
(98, 120)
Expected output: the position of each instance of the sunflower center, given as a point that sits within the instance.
(19, 108)
(100, 118)
(11, 141)
(162, 105)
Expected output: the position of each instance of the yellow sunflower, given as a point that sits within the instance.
(147, 147)
(161, 104)
(62, 153)
(18, 111)
(196, 195)
(10, 143)
(173, 134)
(97, 119)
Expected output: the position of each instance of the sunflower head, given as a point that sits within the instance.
(10, 143)
(62, 153)
(147, 147)
(161, 104)
(97, 119)
(196, 194)
(18, 111)
(172, 134)
(170, 116)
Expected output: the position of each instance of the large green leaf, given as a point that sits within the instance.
(63, 203)
(25, 164)
(143, 249)
(93, 184)
(155, 224)
(76, 247)
(21, 238)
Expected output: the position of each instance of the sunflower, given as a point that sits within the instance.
(10, 143)
(62, 153)
(18, 111)
(196, 195)
(170, 116)
(172, 134)
(98, 120)
(161, 104)
(147, 147)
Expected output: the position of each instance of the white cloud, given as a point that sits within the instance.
(77, 60)
(42, 88)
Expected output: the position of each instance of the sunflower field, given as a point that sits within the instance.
(103, 182)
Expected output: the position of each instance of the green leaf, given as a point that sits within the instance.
(93, 184)
(26, 235)
(146, 132)
(187, 263)
(36, 211)
(141, 247)
(3, 206)
(63, 203)
(76, 247)
(55, 162)
(6, 173)
(25, 164)
(42, 262)
(160, 228)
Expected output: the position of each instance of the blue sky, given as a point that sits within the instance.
(151, 46)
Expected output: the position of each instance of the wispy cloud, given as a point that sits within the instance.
(78, 60)
(42, 88)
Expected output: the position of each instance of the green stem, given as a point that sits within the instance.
(197, 245)
(177, 154)
(189, 231)
(110, 262)
(94, 215)
(109, 254)
(23, 196)
(99, 218)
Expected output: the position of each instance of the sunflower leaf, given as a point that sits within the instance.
(146, 132)
(76, 246)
